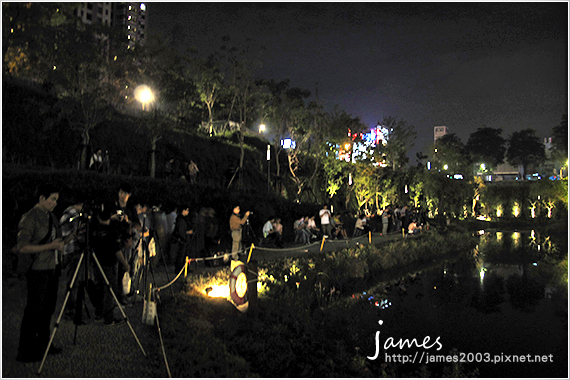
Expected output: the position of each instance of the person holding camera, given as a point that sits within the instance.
(126, 221)
(106, 244)
(236, 227)
(39, 244)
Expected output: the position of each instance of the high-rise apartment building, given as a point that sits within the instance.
(131, 17)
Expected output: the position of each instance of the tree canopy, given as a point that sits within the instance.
(487, 146)
(525, 148)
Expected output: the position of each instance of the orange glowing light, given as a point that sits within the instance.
(219, 291)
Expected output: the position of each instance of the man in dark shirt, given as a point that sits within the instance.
(106, 244)
(39, 239)
(180, 241)
(125, 219)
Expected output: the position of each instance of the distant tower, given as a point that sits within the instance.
(438, 132)
(131, 17)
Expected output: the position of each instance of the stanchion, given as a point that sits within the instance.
(403, 233)
(186, 268)
(323, 243)
(250, 249)
(252, 278)
(369, 237)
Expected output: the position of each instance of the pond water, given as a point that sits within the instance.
(501, 300)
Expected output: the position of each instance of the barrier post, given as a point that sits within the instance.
(186, 267)
(250, 250)
(252, 275)
(403, 233)
(369, 237)
(322, 243)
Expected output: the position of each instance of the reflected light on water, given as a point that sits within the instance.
(499, 236)
(516, 238)
(499, 211)
(482, 276)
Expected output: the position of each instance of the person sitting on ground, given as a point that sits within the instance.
(413, 228)
(312, 228)
(269, 233)
(301, 234)
(339, 231)
(359, 226)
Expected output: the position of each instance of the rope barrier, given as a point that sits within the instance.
(253, 247)
(216, 257)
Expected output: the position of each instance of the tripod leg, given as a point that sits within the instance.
(117, 302)
(61, 311)
(162, 253)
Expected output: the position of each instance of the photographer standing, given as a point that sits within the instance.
(180, 240)
(125, 219)
(39, 243)
(106, 243)
(236, 226)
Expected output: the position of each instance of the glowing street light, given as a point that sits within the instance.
(144, 94)
(261, 128)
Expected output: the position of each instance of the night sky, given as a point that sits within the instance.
(500, 65)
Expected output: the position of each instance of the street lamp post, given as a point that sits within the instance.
(268, 165)
(144, 94)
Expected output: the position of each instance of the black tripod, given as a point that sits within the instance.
(141, 274)
(84, 259)
(248, 235)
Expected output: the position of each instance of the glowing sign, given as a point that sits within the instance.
(288, 143)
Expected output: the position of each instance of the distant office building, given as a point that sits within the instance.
(438, 132)
(131, 17)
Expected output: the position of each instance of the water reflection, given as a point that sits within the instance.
(502, 297)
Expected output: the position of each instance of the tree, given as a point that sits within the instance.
(79, 72)
(272, 111)
(209, 83)
(560, 141)
(336, 170)
(27, 35)
(399, 138)
(155, 125)
(487, 146)
(525, 148)
(449, 154)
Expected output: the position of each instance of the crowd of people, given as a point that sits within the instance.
(121, 235)
(125, 234)
(412, 220)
